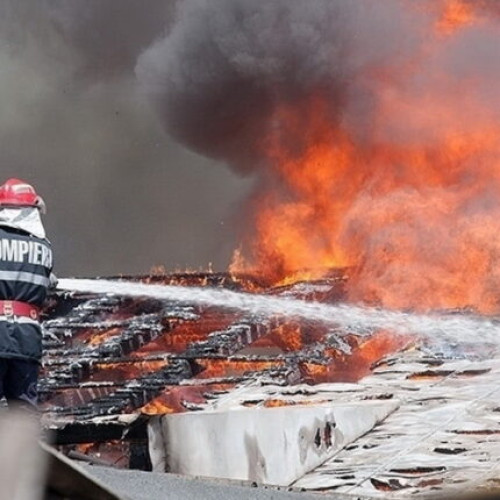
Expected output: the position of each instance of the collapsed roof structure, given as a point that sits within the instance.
(179, 386)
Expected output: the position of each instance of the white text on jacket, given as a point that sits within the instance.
(31, 252)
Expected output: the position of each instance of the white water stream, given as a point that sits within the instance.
(449, 329)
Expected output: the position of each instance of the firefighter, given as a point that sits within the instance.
(25, 276)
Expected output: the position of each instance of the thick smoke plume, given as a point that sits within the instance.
(220, 74)
(372, 127)
(369, 129)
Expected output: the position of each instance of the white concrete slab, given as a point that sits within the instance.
(273, 446)
(443, 439)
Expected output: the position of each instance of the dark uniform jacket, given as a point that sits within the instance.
(25, 268)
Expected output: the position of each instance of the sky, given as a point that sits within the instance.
(122, 195)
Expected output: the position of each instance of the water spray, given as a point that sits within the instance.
(352, 319)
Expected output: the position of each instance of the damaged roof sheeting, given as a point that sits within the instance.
(445, 436)
(122, 377)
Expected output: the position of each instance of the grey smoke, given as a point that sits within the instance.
(109, 36)
(222, 70)
(122, 196)
(89, 89)
(225, 69)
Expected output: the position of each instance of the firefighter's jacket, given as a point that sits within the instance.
(25, 271)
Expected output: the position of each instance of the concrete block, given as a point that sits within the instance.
(274, 446)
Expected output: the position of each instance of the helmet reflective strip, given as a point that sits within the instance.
(18, 319)
(32, 278)
(23, 188)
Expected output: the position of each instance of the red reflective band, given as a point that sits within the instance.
(15, 308)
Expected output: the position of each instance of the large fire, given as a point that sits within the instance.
(412, 203)
(455, 14)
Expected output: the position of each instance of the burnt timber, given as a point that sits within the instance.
(112, 363)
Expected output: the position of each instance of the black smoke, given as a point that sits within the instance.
(124, 113)
(219, 75)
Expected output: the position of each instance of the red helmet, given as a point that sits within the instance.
(17, 193)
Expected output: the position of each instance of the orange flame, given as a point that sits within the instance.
(125, 371)
(352, 367)
(174, 399)
(219, 368)
(412, 208)
(456, 14)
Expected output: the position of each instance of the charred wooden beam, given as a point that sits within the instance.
(131, 395)
(231, 340)
(100, 432)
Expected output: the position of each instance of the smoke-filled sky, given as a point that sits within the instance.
(371, 127)
(363, 131)
(122, 196)
(125, 115)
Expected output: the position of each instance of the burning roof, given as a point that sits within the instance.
(110, 354)
(115, 364)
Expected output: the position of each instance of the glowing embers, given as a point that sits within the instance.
(98, 337)
(62, 400)
(124, 352)
(184, 333)
(113, 388)
(125, 370)
(234, 367)
(177, 399)
(433, 375)
(111, 355)
(112, 362)
(341, 366)
(276, 403)
(288, 337)
(74, 371)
